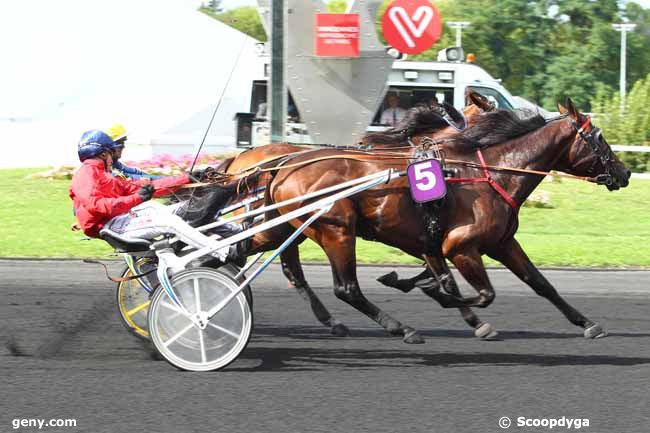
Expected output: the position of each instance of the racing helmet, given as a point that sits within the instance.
(117, 132)
(93, 143)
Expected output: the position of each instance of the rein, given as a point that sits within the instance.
(386, 156)
(389, 154)
(488, 178)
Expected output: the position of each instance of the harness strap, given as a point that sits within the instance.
(584, 125)
(488, 178)
(118, 279)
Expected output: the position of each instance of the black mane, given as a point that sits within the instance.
(498, 126)
(419, 119)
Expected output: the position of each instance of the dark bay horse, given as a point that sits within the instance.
(420, 123)
(475, 219)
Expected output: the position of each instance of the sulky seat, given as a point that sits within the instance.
(123, 244)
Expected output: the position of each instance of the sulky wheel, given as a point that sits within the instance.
(182, 341)
(233, 271)
(133, 298)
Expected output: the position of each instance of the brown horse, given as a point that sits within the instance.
(392, 141)
(475, 219)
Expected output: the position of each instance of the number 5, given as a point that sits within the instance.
(421, 173)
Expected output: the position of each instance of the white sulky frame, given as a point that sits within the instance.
(169, 260)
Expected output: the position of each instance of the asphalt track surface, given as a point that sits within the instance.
(294, 377)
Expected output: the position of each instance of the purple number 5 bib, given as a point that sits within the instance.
(426, 180)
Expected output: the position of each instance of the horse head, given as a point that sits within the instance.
(589, 154)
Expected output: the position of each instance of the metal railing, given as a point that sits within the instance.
(627, 148)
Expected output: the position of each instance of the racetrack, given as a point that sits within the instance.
(295, 377)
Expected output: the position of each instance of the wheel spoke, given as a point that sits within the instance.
(224, 330)
(178, 335)
(203, 357)
(172, 307)
(177, 311)
(138, 308)
(197, 296)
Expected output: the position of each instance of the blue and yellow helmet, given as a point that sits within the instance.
(93, 143)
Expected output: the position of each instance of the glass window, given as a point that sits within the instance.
(258, 98)
(398, 100)
(493, 96)
(259, 106)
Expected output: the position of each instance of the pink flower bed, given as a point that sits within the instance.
(163, 165)
(166, 164)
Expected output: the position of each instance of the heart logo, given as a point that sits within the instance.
(422, 16)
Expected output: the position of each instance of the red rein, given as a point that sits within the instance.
(488, 178)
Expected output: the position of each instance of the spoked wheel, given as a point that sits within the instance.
(233, 271)
(133, 298)
(185, 344)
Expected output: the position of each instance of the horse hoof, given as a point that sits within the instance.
(486, 332)
(412, 337)
(595, 331)
(390, 279)
(340, 330)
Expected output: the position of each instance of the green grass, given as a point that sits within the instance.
(587, 226)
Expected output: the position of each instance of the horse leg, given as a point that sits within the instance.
(441, 277)
(405, 285)
(290, 259)
(431, 284)
(514, 258)
(339, 245)
(469, 264)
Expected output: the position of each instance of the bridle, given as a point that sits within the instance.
(601, 152)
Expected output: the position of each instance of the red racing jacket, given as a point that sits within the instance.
(99, 196)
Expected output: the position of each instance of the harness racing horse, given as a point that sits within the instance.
(391, 141)
(479, 215)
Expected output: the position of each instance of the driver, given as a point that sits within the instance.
(98, 196)
(103, 200)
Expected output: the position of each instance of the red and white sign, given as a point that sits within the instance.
(337, 35)
(412, 26)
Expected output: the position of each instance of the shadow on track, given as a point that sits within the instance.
(316, 333)
(309, 359)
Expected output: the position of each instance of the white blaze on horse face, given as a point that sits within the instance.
(423, 14)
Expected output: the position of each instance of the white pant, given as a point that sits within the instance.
(150, 219)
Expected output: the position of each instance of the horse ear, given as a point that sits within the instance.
(475, 98)
(573, 111)
(561, 108)
(469, 96)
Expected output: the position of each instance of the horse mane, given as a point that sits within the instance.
(419, 119)
(456, 118)
(223, 165)
(496, 127)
